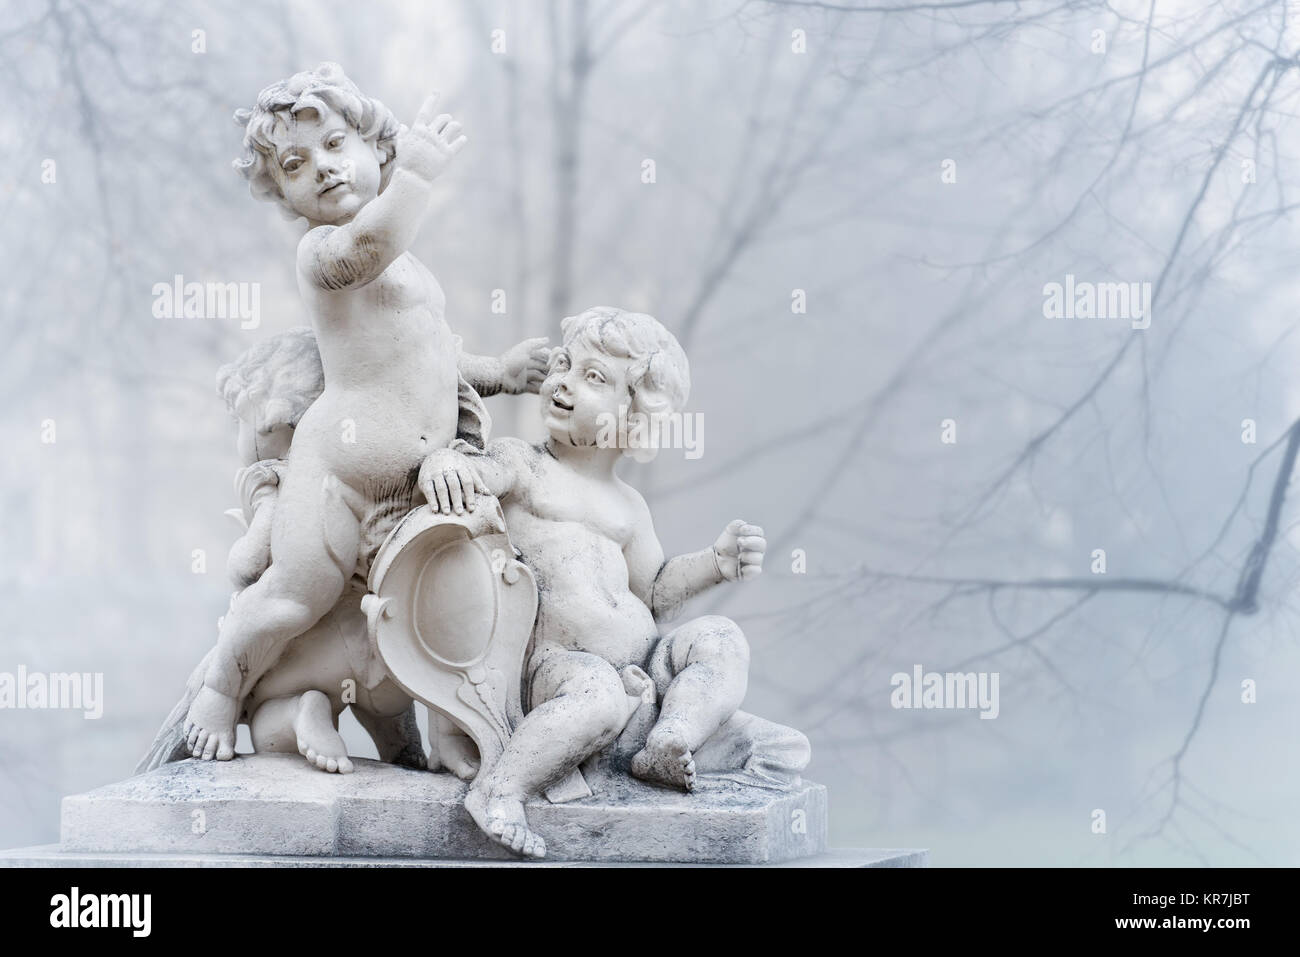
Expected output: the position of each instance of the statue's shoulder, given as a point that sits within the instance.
(632, 495)
(512, 449)
(309, 248)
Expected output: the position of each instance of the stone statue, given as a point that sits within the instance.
(598, 656)
(394, 552)
(364, 403)
(267, 389)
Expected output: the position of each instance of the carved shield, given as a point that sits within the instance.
(451, 613)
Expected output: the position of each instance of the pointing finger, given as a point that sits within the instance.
(426, 110)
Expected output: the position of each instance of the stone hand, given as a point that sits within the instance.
(739, 550)
(428, 145)
(450, 483)
(524, 366)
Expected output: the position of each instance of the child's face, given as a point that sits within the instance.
(583, 387)
(255, 446)
(325, 170)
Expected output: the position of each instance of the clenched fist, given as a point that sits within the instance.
(739, 550)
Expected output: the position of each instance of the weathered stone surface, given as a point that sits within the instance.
(51, 855)
(275, 804)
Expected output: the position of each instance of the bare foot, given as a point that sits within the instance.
(210, 725)
(459, 755)
(665, 759)
(501, 818)
(318, 741)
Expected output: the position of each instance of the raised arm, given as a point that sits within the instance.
(519, 369)
(483, 373)
(351, 255)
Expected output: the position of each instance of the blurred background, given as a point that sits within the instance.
(851, 214)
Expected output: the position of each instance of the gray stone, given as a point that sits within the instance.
(276, 805)
(52, 855)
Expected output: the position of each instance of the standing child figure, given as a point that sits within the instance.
(268, 389)
(339, 159)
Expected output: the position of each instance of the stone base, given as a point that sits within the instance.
(275, 807)
(52, 855)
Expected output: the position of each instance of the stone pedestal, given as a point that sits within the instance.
(51, 855)
(276, 806)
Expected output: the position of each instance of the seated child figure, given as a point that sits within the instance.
(339, 159)
(603, 582)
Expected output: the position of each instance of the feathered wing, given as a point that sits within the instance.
(169, 744)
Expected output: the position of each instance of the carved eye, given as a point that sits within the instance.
(560, 363)
(594, 376)
(335, 141)
(292, 164)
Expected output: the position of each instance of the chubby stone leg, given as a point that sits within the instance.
(704, 668)
(314, 541)
(581, 706)
(253, 634)
(304, 723)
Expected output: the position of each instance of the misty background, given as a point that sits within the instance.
(920, 171)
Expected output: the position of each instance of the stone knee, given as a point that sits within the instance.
(599, 691)
(293, 603)
(709, 661)
(711, 640)
(262, 620)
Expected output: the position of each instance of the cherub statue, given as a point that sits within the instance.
(604, 586)
(297, 703)
(326, 152)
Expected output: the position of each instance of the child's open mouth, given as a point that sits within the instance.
(333, 186)
(560, 404)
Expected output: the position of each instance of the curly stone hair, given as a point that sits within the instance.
(660, 376)
(274, 382)
(326, 85)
